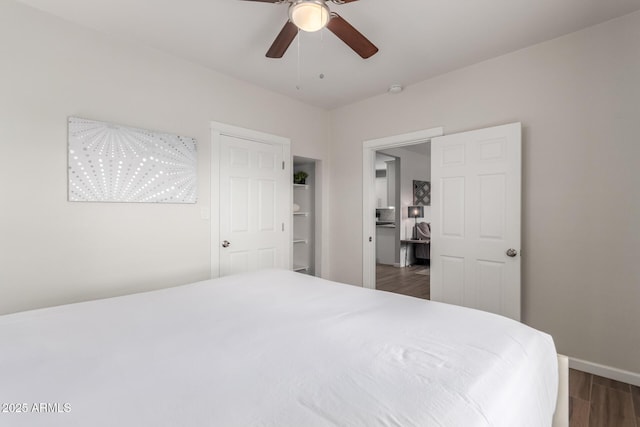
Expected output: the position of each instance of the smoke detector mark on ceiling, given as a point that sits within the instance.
(395, 88)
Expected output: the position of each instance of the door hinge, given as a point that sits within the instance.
(283, 226)
(283, 165)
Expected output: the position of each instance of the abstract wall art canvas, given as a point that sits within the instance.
(421, 193)
(114, 163)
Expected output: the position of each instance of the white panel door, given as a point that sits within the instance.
(475, 237)
(253, 206)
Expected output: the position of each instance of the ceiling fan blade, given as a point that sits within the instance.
(272, 1)
(352, 37)
(342, 1)
(283, 40)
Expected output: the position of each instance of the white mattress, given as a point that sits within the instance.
(273, 348)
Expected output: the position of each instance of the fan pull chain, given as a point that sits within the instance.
(298, 45)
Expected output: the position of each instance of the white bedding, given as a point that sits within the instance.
(273, 348)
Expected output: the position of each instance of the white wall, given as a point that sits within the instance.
(578, 98)
(53, 251)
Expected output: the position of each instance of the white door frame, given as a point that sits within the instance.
(369, 149)
(218, 129)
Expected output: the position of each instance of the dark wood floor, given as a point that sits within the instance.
(404, 281)
(594, 401)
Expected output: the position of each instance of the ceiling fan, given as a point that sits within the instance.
(313, 15)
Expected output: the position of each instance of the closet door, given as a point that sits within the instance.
(251, 213)
(475, 250)
(250, 201)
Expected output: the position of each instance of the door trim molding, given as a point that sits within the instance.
(217, 130)
(369, 149)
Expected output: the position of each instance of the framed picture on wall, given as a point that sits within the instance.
(421, 193)
(114, 163)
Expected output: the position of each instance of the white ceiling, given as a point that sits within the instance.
(417, 39)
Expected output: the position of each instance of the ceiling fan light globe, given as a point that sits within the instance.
(309, 15)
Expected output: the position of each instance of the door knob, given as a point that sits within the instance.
(512, 252)
(226, 244)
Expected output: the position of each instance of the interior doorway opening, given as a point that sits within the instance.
(411, 152)
(403, 215)
(307, 219)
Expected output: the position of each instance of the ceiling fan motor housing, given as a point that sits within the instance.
(309, 15)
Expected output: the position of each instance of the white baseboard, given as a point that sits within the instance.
(605, 371)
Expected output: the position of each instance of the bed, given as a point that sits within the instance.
(272, 348)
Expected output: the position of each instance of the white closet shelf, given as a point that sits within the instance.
(304, 246)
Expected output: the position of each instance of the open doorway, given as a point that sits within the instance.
(412, 150)
(403, 216)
